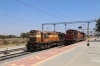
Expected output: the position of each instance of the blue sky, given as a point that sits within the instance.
(16, 17)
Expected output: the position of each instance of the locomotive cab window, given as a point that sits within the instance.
(46, 35)
(49, 33)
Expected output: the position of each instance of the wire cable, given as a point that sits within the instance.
(18, 18)
(22, 13)
(18, 24)
(53, 9)
(39, 10)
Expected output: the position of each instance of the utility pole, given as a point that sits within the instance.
(65, 28)
(88, 34)
(42, 27)
(54, 26)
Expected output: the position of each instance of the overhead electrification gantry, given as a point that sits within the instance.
(65, 23)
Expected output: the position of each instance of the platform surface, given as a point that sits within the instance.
(78, 54)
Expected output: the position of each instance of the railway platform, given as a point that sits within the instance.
(78, 54)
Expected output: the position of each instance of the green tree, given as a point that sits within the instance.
(98, 25)
(27, 34)
(23, 35)
(11, 36)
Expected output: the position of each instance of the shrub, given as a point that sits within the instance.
(5, 42)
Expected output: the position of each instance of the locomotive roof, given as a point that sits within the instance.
(44, 31)
(71, 30)
(74, 30)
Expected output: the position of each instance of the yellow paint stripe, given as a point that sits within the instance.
(13, 64)
(76, 56)
(22, 65)
(55, 56)
(52, 57)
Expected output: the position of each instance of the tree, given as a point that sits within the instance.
(11, 36)
(27, 34)
(23, 35)
(98, 25)
(3, 36)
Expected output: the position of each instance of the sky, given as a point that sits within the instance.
(18, 16)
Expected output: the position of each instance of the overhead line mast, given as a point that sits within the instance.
(71, 23)
(66, 23)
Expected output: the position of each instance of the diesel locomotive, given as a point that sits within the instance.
(39, 40)
(73, 36)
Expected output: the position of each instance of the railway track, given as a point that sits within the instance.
(6, 54)
(11, 57)
(2, 58)
(12, 50)
(13, 54)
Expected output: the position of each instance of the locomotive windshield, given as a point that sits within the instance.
(32, 37)
(69, 32)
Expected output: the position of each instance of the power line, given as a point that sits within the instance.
(39, 10)
(22, 13)
(52, 9)
(18, 18)
(18, 24)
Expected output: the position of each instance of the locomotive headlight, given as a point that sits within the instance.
(31, 36)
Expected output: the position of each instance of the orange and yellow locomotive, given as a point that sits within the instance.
(42, 39)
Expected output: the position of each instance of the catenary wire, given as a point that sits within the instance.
(52, 9)
(23, 13)
(18, 24)
(39, 9)
(18, 18)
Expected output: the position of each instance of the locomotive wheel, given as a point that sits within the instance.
(66, 43)
(73, 42)
(59, 43)
(48, 45)
(62, 43)
(31, 49)
(42, 47)
(36, 49)
(69, 42)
